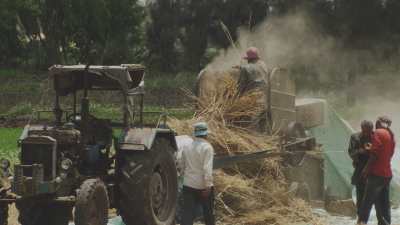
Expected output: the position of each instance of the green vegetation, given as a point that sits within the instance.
(174, 37)
(8, 73)
(22, 92)
(18, 81)
(150, 116)
(22, 109)
(41, 33)
(113, 112)
(162, 80)
(8, 143)
(106, 111)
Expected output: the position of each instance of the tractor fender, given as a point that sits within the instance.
(142, 139)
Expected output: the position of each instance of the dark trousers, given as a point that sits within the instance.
(191, 199)
(376, 193)
(360, 190)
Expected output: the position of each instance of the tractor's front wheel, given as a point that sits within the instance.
(148, 187)
(92, 203)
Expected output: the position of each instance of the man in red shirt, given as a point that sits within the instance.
(378, 173)
(359, 155)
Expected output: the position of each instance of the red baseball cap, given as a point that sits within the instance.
(251, 53)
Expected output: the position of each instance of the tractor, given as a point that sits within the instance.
(78, 166)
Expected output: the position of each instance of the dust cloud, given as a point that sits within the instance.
(286, 41)
(295, 39)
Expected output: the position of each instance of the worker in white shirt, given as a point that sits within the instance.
(197, 166)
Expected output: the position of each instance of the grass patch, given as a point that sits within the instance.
(21, 109)
(8, 143)
(175, 81)
(106, 111)
(21, 87)
(7, 72)
(150, 112)
(13, 80)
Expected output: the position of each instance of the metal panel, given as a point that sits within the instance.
(40, 150)
(143, 138)
(310, 112)
(283, 98)
(282, 117)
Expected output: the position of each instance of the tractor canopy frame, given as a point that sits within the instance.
(127, 78)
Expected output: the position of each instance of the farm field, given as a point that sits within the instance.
(8, 142)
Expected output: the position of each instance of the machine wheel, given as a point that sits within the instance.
(32, 213)
(92, 203)
(149, 178)
(3, 214)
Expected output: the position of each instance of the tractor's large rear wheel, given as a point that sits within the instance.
(92, 203)
(148, 186)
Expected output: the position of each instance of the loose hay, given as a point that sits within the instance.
(258, 201)
(224, 112)
(13, 215)
(251, 193)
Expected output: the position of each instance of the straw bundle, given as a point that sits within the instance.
(228, 105)
(223, 112)
(258, 201)
(226, 140)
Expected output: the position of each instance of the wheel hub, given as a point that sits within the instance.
(157, 190)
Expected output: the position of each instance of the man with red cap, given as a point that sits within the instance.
(254, 73)
(253, 76)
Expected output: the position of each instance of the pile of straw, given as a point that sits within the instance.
(251, 193)
(223, 112)
(259, 201)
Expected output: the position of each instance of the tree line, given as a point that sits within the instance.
(173, 35)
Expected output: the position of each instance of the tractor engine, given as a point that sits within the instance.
(47, 154)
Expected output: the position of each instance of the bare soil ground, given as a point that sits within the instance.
(13, 215)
